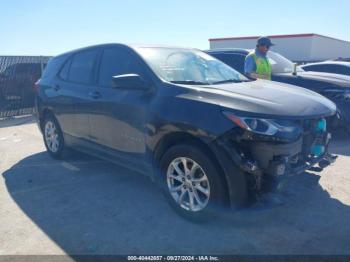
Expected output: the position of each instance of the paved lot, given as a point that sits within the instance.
(88, 206)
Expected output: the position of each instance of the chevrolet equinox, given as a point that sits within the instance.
(205, 133)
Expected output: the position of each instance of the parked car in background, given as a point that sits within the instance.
(209, 136)
(17, 82)
(335, 67)
(333, 86)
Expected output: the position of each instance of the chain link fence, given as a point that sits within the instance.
(18, 75)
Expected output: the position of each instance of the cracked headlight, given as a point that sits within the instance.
(262, 126)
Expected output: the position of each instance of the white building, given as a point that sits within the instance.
(298, 47)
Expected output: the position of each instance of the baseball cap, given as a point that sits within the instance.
(265, 41)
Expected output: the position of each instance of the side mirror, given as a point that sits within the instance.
(129, 81)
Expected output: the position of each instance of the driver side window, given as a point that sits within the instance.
(116, 61)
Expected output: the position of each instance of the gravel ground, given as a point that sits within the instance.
(88, 206)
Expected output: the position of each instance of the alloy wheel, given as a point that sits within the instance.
(188, 184)
(51, 136)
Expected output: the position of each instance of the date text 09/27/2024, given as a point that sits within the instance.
(172, 258)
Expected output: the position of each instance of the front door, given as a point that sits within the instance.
(120, 118)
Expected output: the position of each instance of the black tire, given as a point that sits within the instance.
(61, 148)
(218, 192)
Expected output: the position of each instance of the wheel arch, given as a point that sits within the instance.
(176, 138)
(45, 113)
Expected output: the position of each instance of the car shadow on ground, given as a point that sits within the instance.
(89, 206)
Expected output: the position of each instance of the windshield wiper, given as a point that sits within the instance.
(229, 81)
(189, 82)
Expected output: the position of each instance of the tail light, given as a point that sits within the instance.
(36, 86)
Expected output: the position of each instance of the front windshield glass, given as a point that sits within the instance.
(280, 64)
(187, 66)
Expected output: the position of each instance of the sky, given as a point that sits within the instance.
(50, 27)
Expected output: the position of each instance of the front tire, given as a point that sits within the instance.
(53, 137)
(192, 183)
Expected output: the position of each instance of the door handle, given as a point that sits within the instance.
(56, 87)
(95, 94)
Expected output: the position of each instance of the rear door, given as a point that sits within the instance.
(79, 80)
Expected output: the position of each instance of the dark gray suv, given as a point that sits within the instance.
(206, 134)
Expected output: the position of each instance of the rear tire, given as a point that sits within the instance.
(53, 137)
(192, 183)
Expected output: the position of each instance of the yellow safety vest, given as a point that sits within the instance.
(263, 67)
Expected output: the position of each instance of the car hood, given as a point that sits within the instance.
(265, 99)
(325, 79)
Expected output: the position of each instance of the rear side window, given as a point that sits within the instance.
(65, 70)
(328, 68)
(82, 67)
(53, 66)
(320, 68)
(116, 61)
(338, 69)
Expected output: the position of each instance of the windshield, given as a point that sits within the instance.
(280, 64)
(187, 66)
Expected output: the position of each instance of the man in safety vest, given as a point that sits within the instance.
(257, 64)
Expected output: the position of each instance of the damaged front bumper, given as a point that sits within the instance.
(266, 161)
(290, 158)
